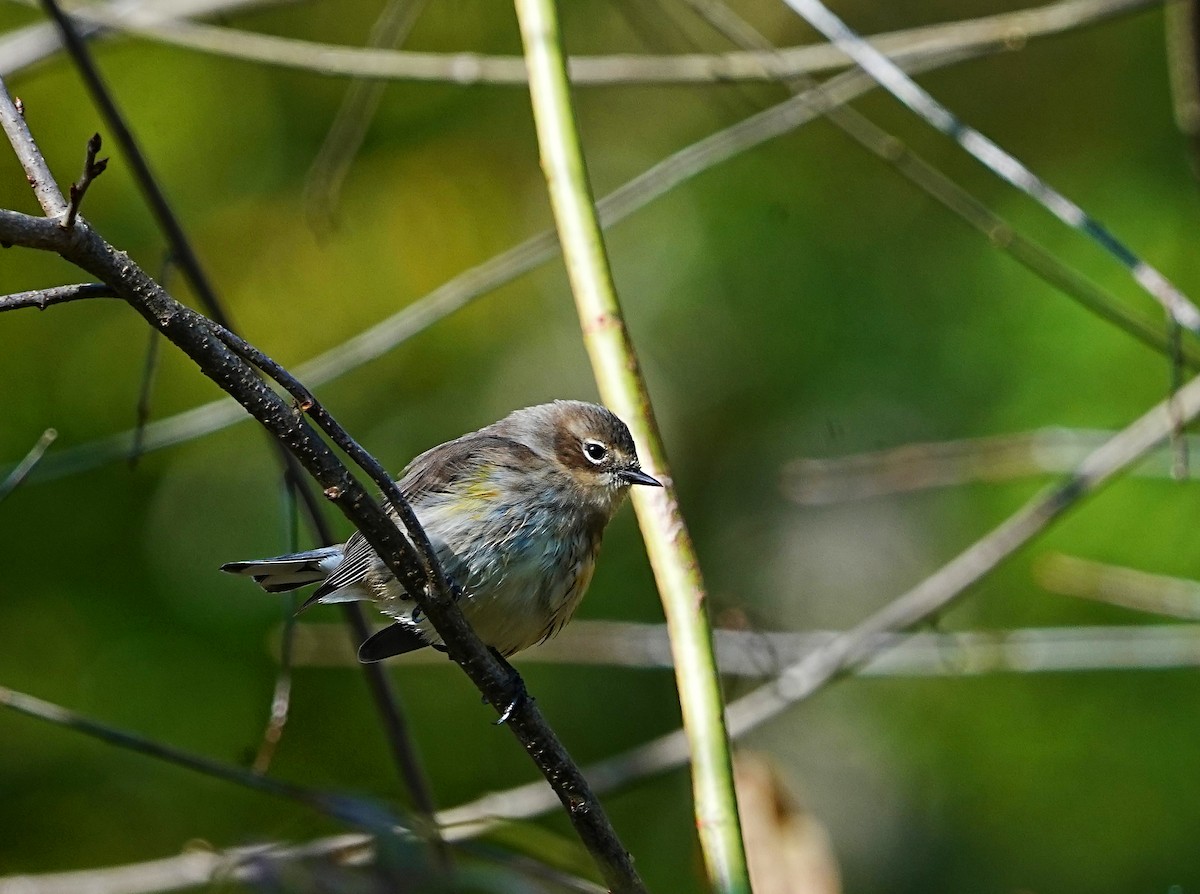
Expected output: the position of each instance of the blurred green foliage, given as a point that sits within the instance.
(801, 300)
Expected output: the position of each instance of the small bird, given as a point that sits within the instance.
(515, 512)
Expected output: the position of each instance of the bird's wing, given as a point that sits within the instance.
(450, 467)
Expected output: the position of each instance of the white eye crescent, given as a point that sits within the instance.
(595, 452)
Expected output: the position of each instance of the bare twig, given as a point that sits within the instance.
(37, 172)
(1158, 594)
(25, 466)
(987, 34)
(813, 481)
(92, 168)
(635, 194)
(491, 274)
(43, 298)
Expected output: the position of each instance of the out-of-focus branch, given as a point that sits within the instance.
(922, 466)
(759, 655)
(1158, 594)
(185, 257)
(505, 267)
(25, 466)
(354, 811)
(259, 866)
(988, 34)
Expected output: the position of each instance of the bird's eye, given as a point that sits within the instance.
(595, 451)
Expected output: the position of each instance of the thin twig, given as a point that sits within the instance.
(281, 696)
(181, 248)
(37, 172)
(852, 649)
(92, 168)
(1001, 163)
(357, 812)
(43, 298)
(615, 367)
(987, 34)
(25, 466)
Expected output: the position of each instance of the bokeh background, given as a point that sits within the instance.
(801, 300)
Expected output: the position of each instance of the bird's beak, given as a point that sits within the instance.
(637, 476)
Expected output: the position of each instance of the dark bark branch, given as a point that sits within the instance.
(43, 298)
(210, 348)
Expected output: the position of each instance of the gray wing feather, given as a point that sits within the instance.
(435, 471)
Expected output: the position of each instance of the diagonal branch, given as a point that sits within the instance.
(209, 347)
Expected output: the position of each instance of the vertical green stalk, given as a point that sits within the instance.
(622, 388)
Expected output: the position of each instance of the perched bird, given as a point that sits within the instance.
(515, 512)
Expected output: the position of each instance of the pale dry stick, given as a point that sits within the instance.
(996, 159)
(615, 367)
(851, 649)
(25, 47)
(327, 173)
(37, 172)
(258, 866)
(1158, 594)
(760, 655)
(988, 34)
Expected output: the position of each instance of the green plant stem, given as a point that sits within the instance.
(614, 362)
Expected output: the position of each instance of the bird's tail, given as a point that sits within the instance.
(290, 572)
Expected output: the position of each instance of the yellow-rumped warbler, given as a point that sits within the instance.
(515, 512)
